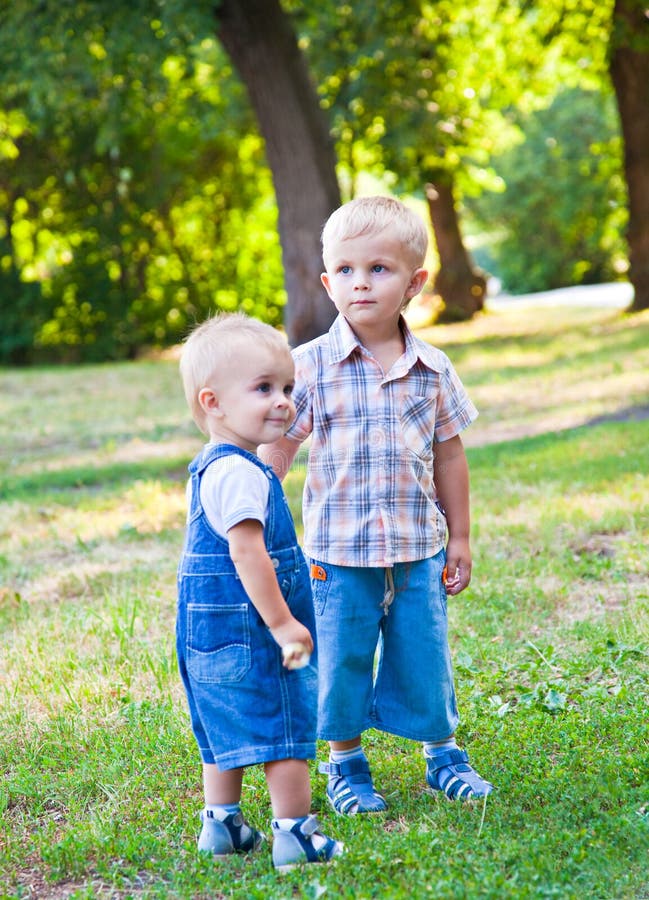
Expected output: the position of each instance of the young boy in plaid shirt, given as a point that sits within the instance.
(384, 411)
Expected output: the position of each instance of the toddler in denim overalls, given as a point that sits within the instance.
(245, 620)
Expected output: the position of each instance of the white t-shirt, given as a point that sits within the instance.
(232, 489)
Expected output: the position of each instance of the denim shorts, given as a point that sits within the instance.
(245, 707)
(383, 665)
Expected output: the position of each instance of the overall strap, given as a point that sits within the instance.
(219, 451)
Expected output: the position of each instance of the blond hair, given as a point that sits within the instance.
(209, 351)
(371, 215)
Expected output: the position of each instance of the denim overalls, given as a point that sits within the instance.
(245, 707)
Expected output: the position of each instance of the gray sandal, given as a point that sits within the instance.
(302, 843)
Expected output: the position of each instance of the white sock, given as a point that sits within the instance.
(434, 748)
(339, 756)
(286, 824)
(221, 811)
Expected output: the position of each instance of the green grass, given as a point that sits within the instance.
(101, 782)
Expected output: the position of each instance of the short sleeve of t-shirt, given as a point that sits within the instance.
(234, 489)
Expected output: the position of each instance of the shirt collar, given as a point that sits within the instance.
(343, 341)
(416, 349)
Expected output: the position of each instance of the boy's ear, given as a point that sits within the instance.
(324, 278)
(208, 400)
(417, 282)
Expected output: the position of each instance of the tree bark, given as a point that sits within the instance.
(261, 43)
(629, 68)
(460, 285)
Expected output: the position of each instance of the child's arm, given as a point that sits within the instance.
(255, 569)
(279, 455)
(452, 483)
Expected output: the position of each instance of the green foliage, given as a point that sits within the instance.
(426, 91)
(406, 86)
(130, 183)
(559, 219)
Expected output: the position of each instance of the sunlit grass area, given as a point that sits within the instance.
(100, 782)
(533, 371)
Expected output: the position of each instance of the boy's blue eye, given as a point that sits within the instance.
(345, 270)
(288, 390)
(378, 267)
(264, 387)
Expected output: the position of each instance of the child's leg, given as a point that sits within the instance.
(343, 746)
(415, 692)
(349, 609)
(289, 787)
(224, 830)
(296, 834)
(221, 788)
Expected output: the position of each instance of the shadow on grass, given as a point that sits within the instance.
(606, 450)
(621, 450)
(620, 346)
(26, 487)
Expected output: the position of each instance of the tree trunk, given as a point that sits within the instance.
(629, 67)
(460, 285)
(261, 43)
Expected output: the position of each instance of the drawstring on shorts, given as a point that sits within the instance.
(388, 595)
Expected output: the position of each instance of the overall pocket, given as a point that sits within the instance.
(218, 642)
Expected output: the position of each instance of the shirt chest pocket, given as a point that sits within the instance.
(418, 425)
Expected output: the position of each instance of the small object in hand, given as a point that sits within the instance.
(451, 583)
(295, 655)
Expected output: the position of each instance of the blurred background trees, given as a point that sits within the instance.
(558, 214)
(160, 160)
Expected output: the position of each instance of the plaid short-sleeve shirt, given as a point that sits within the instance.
(369, 494)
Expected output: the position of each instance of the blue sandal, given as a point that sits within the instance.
(350, 789)
(451, 773)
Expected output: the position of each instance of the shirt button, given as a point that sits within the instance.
(275, 563)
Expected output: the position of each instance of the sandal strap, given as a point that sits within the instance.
(356, 766)
(304, 831)
(450, 758)
(309, 825)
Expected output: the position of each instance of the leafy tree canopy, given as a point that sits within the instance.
(135, 194)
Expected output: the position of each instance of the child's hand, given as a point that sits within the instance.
(289, 633)
(457, 571)
(295, 656)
